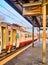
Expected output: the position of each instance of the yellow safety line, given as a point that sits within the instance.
(12, 56)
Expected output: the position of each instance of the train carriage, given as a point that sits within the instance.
(13, 36)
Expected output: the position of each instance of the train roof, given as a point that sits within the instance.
(15, 25)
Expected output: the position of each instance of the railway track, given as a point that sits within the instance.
(13, 52)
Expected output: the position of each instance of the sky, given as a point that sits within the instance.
(12, 16)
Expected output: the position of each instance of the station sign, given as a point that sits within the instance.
(32, 10)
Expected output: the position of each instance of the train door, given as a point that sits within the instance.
(18, 38)
(10, 38)
(14, 37)
(3, 37)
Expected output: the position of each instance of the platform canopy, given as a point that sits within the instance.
(30, 10)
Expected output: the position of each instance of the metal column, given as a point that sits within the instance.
(39, 35)
(44, 33)
(33, 36)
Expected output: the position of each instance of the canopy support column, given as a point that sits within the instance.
(44, 34)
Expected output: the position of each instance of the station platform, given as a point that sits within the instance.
(31, 56)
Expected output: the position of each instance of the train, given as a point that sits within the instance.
(13, 36)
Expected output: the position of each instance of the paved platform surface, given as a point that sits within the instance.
(31, 56)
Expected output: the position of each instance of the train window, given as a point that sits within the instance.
(29, 35)
(9, 32)
(17, 35)
(25, 36)
(9, 38)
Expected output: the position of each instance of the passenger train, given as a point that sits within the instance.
(13, 36)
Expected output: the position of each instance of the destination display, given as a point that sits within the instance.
(32, 10)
